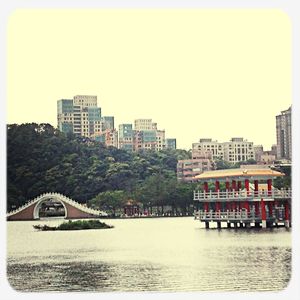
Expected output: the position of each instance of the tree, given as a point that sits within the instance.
(183, 196)
(109, 201)
(222, 164)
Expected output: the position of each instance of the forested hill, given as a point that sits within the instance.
(42, 159)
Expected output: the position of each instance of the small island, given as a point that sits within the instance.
(74, 225)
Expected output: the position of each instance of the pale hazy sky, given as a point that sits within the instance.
(197, 73)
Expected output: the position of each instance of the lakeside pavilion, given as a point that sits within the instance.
(241, 202)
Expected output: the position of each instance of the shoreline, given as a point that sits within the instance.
(103, 218)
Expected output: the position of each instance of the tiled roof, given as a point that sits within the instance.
(247, 173)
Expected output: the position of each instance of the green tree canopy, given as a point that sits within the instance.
(42, 159)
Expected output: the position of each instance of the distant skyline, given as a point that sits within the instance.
(196, 73)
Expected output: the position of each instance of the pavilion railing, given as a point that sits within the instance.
(242, 194)
(239, 215)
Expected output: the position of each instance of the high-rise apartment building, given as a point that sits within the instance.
(144, 124)
(108, 122)
(160, 140)
(111, 138)
(107, 137)
(171, 143)
(126, 135)
(148, 139)
(82, 117)
(284, 134)
(146, 136)
(79, 115)
(65, 115)
(85, 101)
(106, 133)
(236, 150)
(137, 140)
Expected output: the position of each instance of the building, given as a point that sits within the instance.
(258, 151)
(200, 154)
(126, 135)
(208, 145)
(85, 101)
(146, 136)
(144, 124)
(79, 115)
(237, 204)
(111, 137)
(99, 137)
(267, 158)
(137, 140)
(148, 139)
(187, 169)
(108, 122)
(160, 140)
(284, 134)
(171, 144)
(107, 137)
(65, 115)
(82, 116)
(236, 150)
(264, 157)
(274, 150)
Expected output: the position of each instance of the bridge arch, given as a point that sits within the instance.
(38, 205)
(73, 209)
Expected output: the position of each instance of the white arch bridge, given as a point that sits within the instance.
(73, 209)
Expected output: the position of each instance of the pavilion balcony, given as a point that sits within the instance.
(242, 215)
(242, 195)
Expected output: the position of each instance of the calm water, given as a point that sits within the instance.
(164, 254)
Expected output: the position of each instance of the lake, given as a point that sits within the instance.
(150, 254)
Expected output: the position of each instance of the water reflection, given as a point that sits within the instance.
(172, 254)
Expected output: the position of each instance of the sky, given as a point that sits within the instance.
(197, 73)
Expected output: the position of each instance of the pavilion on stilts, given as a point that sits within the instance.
(238, 204)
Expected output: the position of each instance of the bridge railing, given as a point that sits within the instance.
(60, 197)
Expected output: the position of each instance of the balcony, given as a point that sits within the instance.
(241, 195)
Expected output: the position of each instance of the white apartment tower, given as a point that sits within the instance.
(236, 150)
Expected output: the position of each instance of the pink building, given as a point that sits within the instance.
(187, 169)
